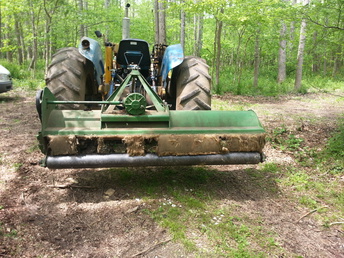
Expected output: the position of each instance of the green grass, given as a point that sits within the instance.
(25, 78)
(218, 104)
(30, 84)
(220, 232)
(335, 146)
(230, 81)
(315, 181)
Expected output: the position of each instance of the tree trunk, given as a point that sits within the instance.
(238, 61)
(315, 65)
(22, 42)
(282, 56)
(35, 35)
(290, 44)
(337, 60)
(300, 53)
(0, 31)
(47, 36)
(156, 19)
(198, 20)
(217, 51)
(160, 22)
(19, 50)
(256, 60)
(85, 27)
(82, 26)
(182, 28)
(9, 54)
(107, 30)
(324, 67)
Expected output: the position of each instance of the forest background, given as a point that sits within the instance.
(256, 47)
(289, 206)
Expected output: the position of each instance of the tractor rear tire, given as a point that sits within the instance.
(67, 76)
(193, 84)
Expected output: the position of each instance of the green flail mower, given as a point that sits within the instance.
(138, 109)
(126, 132)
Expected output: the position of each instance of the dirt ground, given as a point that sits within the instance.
(40, 220)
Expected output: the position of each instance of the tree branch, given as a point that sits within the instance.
(307, 17)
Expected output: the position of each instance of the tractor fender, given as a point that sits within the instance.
(91, 50)
(173, 56)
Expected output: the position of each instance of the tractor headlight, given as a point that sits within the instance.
(85, 44)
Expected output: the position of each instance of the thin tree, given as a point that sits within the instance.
(34, 30)
(19, 36)
(48, 23)
(282, 55)
(198, 21)
(160, 22)
(256, 59)
(301, 50)
(217, 48)
(300, 54)
(81, 26)
(182, 28)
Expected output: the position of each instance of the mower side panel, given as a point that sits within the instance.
(173, 57)
(94, 54)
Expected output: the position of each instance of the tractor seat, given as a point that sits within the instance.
(133, 52)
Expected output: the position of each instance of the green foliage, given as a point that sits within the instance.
(243, 23)
(270, 167)
(335, 145)
(285, 140)
(25, 78)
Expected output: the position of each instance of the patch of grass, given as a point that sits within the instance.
(240, 82)
(335, 145)
(283, 139)
(297, 179)
(17, 166)
(220, 232)
(25, 78)
(218, 104)
(316, 180)
(191, 213)
(312, 188)
(22, 72)
(269, 167)
(30, 84)
(308, 202)
(33, 148)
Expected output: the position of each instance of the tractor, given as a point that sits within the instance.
(138, 107)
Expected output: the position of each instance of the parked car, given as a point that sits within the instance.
(5, 80)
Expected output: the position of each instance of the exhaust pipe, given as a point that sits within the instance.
(124, 160)
(126, 23)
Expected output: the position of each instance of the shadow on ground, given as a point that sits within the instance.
(82, 220)
(135, 183)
